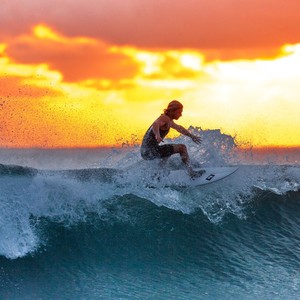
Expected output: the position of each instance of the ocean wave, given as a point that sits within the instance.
(101, 187)
(72, 197)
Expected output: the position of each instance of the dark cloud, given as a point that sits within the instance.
(197, 24)
(76, 61)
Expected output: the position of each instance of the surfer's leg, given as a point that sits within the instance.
(181, 149)
(165, 151)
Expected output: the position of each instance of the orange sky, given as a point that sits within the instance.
(92, 73)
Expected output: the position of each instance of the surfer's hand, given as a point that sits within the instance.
(196, 139)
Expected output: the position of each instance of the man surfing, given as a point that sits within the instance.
(151, 148)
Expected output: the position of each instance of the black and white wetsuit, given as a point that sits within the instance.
(150, 148)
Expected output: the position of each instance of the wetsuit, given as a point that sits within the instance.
(150, 148)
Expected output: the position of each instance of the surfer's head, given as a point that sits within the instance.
(174, 110)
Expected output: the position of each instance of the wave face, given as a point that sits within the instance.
(90, 233)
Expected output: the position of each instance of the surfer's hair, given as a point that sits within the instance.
(173, 105)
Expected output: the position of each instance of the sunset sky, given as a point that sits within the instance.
(98, 72)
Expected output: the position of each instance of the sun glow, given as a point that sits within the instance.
(47, 33)
(191, 61)
(44, 32)
(151, 62)
(2, 48)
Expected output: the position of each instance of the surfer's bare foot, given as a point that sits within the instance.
(196, 174)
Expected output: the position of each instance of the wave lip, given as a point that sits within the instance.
(15, 170)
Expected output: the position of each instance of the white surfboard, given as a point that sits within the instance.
(180, 178)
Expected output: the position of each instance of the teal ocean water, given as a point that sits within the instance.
(72, 227)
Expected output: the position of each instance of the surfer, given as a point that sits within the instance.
(151, 148)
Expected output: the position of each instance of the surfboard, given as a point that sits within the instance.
(180, 178)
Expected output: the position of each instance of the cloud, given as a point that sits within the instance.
(97, 64)
(206, 24)
(76, 58)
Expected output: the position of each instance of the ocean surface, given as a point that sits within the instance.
(86, 224)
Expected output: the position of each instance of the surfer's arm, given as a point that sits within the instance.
(182, 130)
